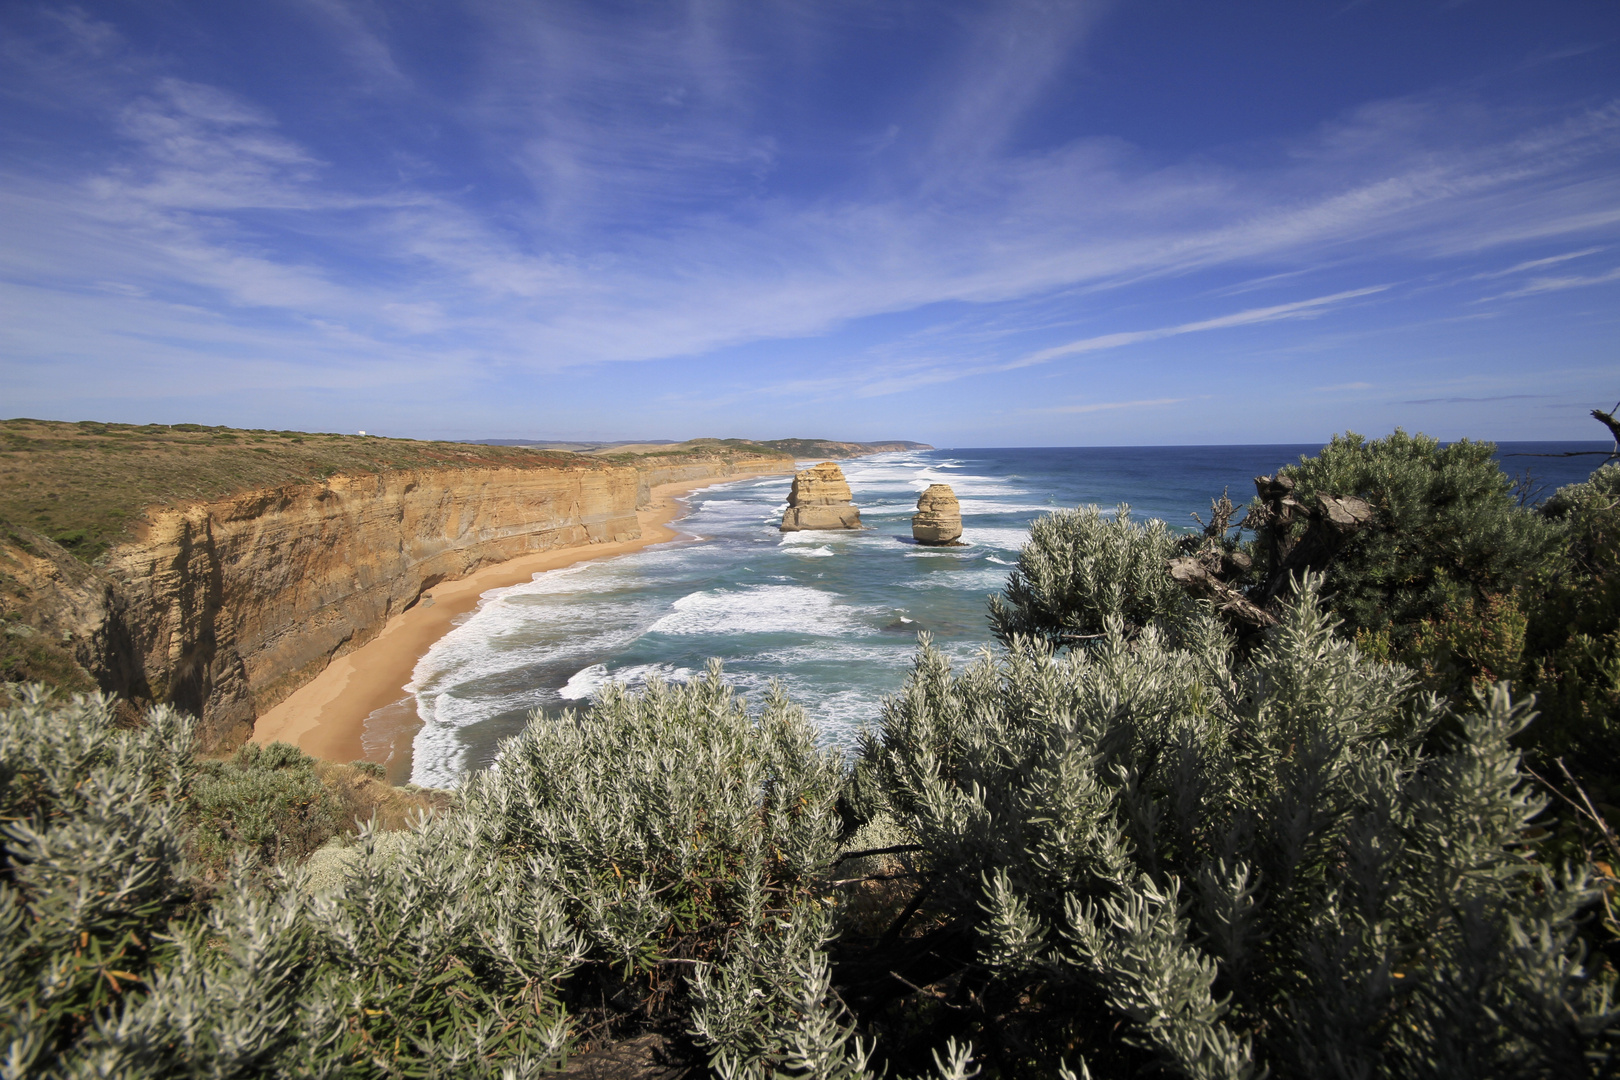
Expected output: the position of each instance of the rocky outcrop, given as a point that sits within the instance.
(938, 520)
(65, 623)
(820, 499)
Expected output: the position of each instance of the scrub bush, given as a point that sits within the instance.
(1239, 868)
(1446, 530)
(91, 865)
(1081, 569)
(1572, 655)
(265, 799)
(655, 862)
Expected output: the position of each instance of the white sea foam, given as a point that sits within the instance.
(813, 553)
(584, 682)
(638, 675)
(976, 507)
(1004, 539)
(760, 609)
(983, 579)
(437, 755)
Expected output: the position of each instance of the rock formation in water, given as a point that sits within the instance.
(820, 499)
(938, 520)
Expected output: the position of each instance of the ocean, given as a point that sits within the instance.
(832, 616)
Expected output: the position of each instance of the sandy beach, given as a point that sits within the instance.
(326, 717)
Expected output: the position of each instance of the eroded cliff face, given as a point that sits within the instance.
(226, 607)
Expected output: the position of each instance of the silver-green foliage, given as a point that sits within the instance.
(664, 850)
(92, 847)
(1295, 864)
(1080, 569)
(689, 839)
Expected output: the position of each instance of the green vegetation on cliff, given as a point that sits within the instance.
(831, 448)
(84, 484)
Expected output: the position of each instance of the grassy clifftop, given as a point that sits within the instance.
(697, 449)
(830, 448)
(82, 484)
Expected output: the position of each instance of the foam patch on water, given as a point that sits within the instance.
(1003, 539)
(584, 682)
(760, 609)
(987, 579)
(437, 756)
(979, 507)
(813, 553)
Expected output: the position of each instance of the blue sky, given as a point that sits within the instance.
(970, 224)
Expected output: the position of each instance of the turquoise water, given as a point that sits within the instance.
(833, 616)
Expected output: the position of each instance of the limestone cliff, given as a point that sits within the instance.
(224, 607)
(938, 520)
(820, 499)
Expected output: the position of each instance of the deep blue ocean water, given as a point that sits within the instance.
(832, 616)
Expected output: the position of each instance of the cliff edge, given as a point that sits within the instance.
(128, 563)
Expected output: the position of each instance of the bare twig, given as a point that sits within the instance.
(897, 849)
(893, 932)
(1583, 808)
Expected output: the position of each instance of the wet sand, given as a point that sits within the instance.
(326, 716)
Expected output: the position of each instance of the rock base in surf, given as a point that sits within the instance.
(820, 499)
(938, 520)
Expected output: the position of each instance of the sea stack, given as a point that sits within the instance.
(938, 520)
(820, 499)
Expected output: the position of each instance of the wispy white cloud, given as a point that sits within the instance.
(1459, 400)
(1298, 309)
(1559, 284)
(1536, 264)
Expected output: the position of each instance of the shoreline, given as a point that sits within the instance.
(326, 716)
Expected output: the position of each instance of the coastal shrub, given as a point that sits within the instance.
(1557, 635)
(91, 866)
(1081, 568)
(1572, 655)
(688, 840)
(1154, 855)
(266, 800)
(658, 861)
(1447, 529)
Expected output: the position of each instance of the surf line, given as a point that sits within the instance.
(326, 717)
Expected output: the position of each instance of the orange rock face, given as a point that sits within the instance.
(938, 520)
(820, 499)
